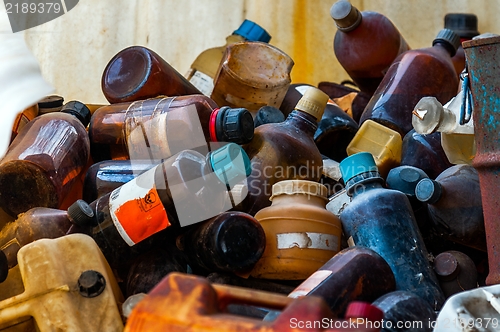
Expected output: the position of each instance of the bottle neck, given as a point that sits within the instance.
(233, 39)
(301, 198)
(363, 182)
(445, 47)
(303, 121)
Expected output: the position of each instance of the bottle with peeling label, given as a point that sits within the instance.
(183, 190)
(203, 70)
(156, 129)
(382, 220)
(301, 235)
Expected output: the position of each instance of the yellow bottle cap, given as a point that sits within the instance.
(304, 187)
(313, 102)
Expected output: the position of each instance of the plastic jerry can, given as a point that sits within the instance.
(68, 286)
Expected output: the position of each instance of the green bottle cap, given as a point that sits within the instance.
(230, 163)
(357, 164)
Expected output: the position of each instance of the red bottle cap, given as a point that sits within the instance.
(357, 309)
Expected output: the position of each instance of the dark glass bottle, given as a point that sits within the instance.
(158, 128)
(268, 114)
(285, 151)
(424, 152)
(185, 189)
(456, 272)
(366, 43)
(137, 73)
(382, 220)
(413, 75)
(45, 160)
(455, 206)
(229, 242)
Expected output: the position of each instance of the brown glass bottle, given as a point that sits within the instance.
(456, 272)
(285, 151)
(413, 75)
(229, 242)
(45, 160)
(186, 122)
(366, 43)
(137, 73)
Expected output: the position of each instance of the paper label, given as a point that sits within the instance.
(310, 283)
(136, 209)
(202, 82)
(307, 240)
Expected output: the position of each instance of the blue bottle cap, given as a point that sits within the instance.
(357, 164)
(253, 32)
(230, 164)
(428, 191)
(405, 179)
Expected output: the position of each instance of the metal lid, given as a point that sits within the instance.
(304, 187)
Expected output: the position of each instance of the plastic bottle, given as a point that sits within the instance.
(229, 242)
(137, 73)
(185, 189)
(301, 235)
(454, 205)
(456, 272)
(45, 160)
(252, 75)
(382, 220)
(23, 118)
(203, 70)
(465, 26)
(366, 44)
(40, 223)
(285, 151)
(158, 128)
(413, 75)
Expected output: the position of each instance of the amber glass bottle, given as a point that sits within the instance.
(285, 151)
(413, 75)
(366, 43)
(137, 73)
(158, 128)
(45, 160)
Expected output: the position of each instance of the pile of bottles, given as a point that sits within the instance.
(229, 198)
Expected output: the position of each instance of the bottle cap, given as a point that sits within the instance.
(91, 283)
(291, 187)
(346, 16)
(405, 179)
(268, 114)
(449, 39)
(234, 125)
(79, 110)
(51, 102)
(313, 102)
(358, 309)
(428, 191)
(357, 164)
(446, 266)
(464, 25)
(81, 214)
(230, 163)
(253, 32)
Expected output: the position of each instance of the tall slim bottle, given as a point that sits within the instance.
(366, 43)
(413, 75)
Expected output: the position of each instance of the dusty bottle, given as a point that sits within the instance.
(45, 160)
(424, 152)
(366, 44)
(203, 70)
(137, 73)
(301, 235)
(49, 104)
(456, 272)
(413, 75)
(268, 114)
(382, 220)
(465, 26)
(158, 128)
(185, 189)
(229, 242)
(350, 100)
(285, 151)
(40, 223)
(22, 119)
(454, 205)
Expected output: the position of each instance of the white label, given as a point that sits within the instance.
(202, 82)
(306, 240)
(338, 202)
(331, 169)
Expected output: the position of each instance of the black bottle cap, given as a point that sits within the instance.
(446, 266)
(234, 125)
(449, 39)
(4, 266)
(79, 110)
(428, 191)
(464, 25)
(268, 114)
(51, 102)
(91, 283)
(405, 179)
(81, 214)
